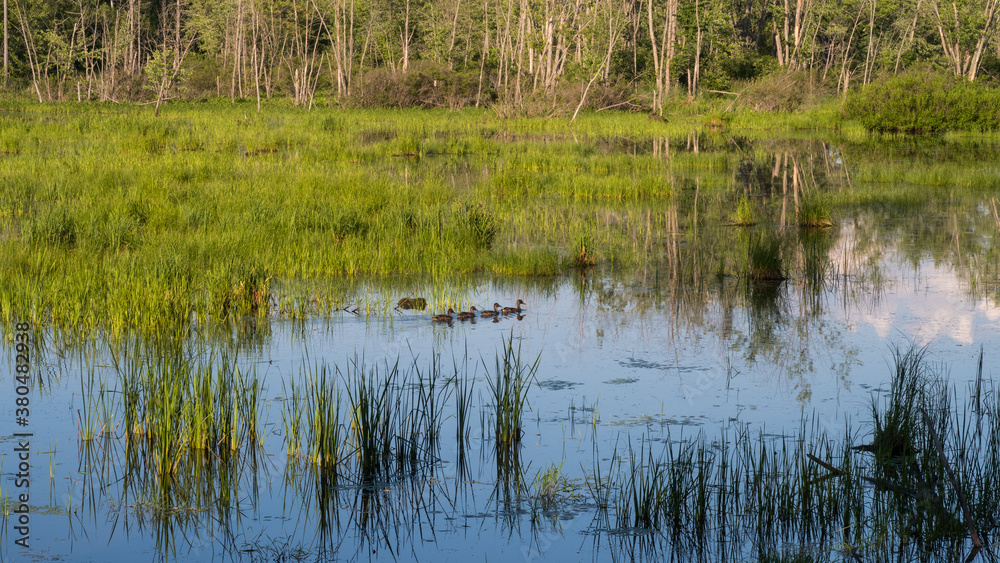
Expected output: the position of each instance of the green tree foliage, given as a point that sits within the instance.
(523, 56)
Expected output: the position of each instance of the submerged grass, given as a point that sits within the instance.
(509, 384)
(916, 481)
(816, 492)
(388, 426)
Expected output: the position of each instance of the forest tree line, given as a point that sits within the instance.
(510, 54)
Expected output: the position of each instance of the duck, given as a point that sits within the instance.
(516, 309)
(495, 312)
(443, 318)
(471, 314)
(418, 303)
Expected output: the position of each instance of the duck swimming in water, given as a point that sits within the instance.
(443, 318)
(493, 313)
(517, 309)
(471, 314)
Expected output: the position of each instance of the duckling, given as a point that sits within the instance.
(517, 309)
(471, 314)
(493, 313)
(443, 318)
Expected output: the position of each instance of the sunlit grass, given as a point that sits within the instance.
(111, 219)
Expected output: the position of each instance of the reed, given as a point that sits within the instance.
(814, 214)
(810, 491)
(509, 384)
(324, 430)
(173, 403)
(549, 487)
(746, 215)
(763, 257)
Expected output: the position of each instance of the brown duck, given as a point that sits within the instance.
(471, 314)
(493, 313)
(443, 318)
(418, 303)
(516, 309)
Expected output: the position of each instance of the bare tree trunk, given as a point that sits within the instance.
(965, 60)
(614, 33)
(6, 59)
(255, 21)
(177, 37)
(29, 47)
(454, 33)
(486, 50)
(342, 40)
(788, 38)
(870, 52)
(170, 71)
(583, 98)
(237, 45)
(522, 29)
(68, 63)
(909, 39)
(133, 56)
(664, 53)
(845, 73)
(693, 81)
(406, 36)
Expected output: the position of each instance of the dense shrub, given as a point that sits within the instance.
(922, 101)
(780, 91)
(425, 84)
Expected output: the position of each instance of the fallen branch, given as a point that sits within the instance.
(629, 102)
(966, 513)
(825, 465)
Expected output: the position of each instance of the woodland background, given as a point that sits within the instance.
(521, 57)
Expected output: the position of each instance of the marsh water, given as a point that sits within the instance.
(656, 353)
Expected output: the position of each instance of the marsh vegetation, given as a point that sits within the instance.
(236, 308)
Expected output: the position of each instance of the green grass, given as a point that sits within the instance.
(375, 423)
(509, 384)
(113, 220)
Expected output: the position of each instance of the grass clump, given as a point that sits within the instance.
(746, 214)
(174, 402)
(763, 257)
(509, 384)
(814, 214)
(482, 225)
(551, 488)
(582, 258)
(390, 427)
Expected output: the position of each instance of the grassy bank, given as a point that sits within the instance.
(112, 218)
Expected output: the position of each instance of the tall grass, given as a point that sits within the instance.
(509, 384)
(174, 402)
(122, 222)
(389, 425)
(369, 438)
(765, 492)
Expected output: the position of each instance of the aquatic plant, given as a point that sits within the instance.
(167, 223)
(763, 257)
(509, 383)
(746, 215)
(814, 214)
(174, 402)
